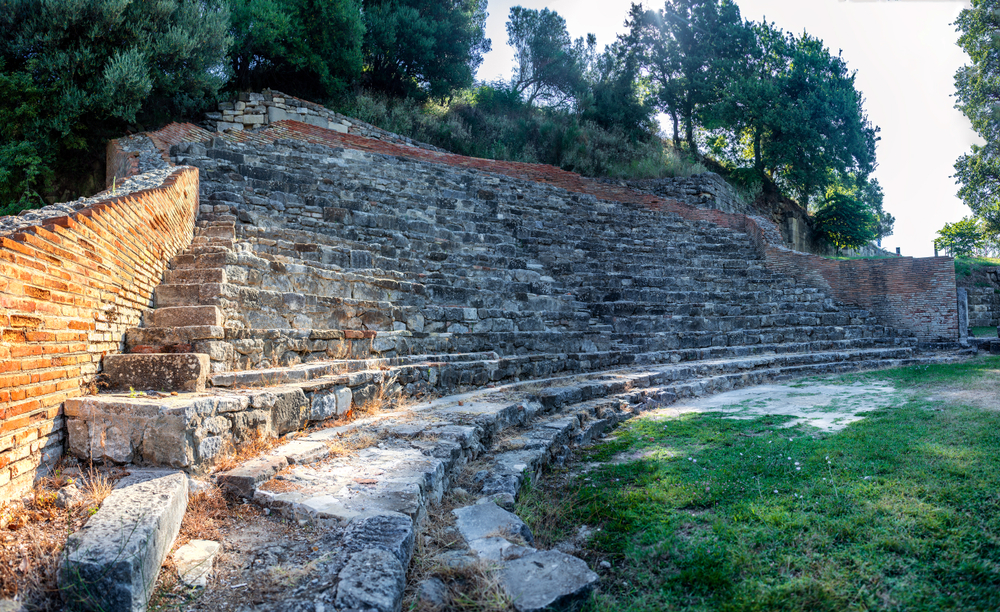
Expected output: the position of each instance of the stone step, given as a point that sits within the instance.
(400, 481)
(201, 424)
(163, 372)
(194, 276)
(183, 316)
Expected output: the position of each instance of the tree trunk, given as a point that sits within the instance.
(677, 129)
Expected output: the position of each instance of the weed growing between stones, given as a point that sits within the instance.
(897, 511)
(467, 584)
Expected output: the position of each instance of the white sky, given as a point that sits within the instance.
(905, 56)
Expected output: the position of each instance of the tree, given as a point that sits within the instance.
(307, 48)
(845, 222)
(963, 238)
(689, 50)
(423, 47)
(977, 88)
(617, 94)
(794, 111)
(91, 68)
(549, 66)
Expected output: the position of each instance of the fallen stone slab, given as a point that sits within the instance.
(489, 520)
(194, 561)
(243, 480)
(158, 371)
(548, 580)
(112, 563)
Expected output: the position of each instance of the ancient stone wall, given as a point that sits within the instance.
(256, 110)
(73, 278)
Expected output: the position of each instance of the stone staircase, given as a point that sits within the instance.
(513, 318)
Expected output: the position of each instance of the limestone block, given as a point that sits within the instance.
(165, 442)
(487, 520)
(194, 561)
(289, 408)
(330, 404)
(159, 371)
(547, 580)
(112, 563)
(182, 316)
(244, 479)
(277, 114)
(392, 533)
(336, 126)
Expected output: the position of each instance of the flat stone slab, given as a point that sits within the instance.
(194, 561)
(489, 520)
(157, 371)
(112, 563)
(548, 580)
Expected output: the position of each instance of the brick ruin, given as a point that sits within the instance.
(278, 276)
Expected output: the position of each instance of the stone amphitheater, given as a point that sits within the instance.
(336, 269)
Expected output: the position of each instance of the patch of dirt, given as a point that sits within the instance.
(981, 394)
(262, 555)
(827, 407)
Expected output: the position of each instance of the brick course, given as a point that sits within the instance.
(69, 288)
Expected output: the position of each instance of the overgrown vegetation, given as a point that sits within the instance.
(896, 512)
(772, 109)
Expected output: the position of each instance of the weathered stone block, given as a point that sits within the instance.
(289, 408)
(159, 371)
(548, 580)
(112, 563)
(372, 579)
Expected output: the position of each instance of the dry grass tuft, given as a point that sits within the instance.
(388, 396)
(97, 486)
(354, 441)
(232, 456)
(206, 512)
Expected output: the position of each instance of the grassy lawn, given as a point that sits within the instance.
(899, 511)
(984, 332)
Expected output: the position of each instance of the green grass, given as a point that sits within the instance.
(966, 266)
(900, 511)
(984, 332)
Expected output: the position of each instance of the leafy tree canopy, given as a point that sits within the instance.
(423, 47)
(308, 48)
(688, 49)
(793, 112)
(963, 238)
(89, 68)
(976, 88)
(845, 222)
(550, 66)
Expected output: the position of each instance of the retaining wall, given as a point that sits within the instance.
(71, 284)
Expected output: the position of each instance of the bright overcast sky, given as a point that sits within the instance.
(905, 56)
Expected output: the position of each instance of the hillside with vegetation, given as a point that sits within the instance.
(777, 114)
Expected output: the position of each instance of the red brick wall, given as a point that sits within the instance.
(69, 288)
